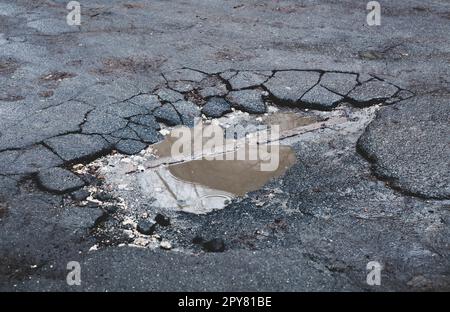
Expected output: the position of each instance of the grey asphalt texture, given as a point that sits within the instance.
(71, 94)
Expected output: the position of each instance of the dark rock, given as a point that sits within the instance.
(90, 179)
(59, 180)
(111, 209)
(198, 240)
(130, 147)
(214, 245)
(80, 195)
(103, 196)
(216, 107)
(167, 114)
(250, 101)
(162, 220)
(146, 227)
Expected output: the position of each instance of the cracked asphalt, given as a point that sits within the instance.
(376, 188)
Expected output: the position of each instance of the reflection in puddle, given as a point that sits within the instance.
(233, 176)
(289, 121)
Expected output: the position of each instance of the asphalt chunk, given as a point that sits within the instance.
(59, 180)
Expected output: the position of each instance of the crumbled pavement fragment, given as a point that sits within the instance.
(184, 74)
(100, 122)
(146, 120)
(168, 95)
(146, 101)
(212, 87)
(216, 107)
(372, 92)
(81, 218)
(80, 195)
(287, 87)
(167, 114)
(126, 109)
(125, 133)
(320, 98)
(130, 147)
(59, 180)
(413, 132)
(250, 101)
(247, 79)
(111, 209)
(72, 147)
(340, 83)
(27, 161)
(214, 245)
(146, 134)
(165, 245)
(188, 112)
(146, 227)
(162, 220)
(104, 196)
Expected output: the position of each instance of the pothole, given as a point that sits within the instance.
(158, 183)
(186, 172)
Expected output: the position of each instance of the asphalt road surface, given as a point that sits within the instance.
(374, 186)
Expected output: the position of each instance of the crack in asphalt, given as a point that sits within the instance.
(197, 85)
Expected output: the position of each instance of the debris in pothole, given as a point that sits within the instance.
(165, 245)
(80, 195)
(146, 227)
(154, 188)
(214, 245)
(162, 220)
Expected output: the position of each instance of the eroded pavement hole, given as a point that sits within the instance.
(254, 115)
(198, 178)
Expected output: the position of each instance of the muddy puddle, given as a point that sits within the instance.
(201, 169)
(198, 177)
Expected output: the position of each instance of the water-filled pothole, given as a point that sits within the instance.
(186, 173)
